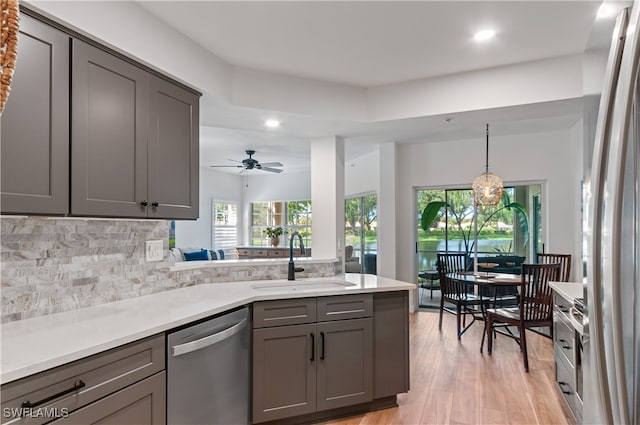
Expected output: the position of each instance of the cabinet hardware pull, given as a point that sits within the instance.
(155, 204)
(322, 342)
(144, 203)
(561, 384)
(215, 338)
(313, 347)
(565, 344)
(76, 386)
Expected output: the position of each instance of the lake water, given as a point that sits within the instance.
(427, 260)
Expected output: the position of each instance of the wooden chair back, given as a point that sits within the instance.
(563, 259)
(451, 263)
(536, 304)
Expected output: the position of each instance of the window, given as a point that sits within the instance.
(225, 225)
(361, 228)
(290, 215)
(502, 230)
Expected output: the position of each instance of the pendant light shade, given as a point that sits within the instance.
(487, 187)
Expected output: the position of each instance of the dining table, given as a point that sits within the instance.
(488, 284)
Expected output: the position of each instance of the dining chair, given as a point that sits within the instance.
(563, 259)
(534, 307)
(455, 292)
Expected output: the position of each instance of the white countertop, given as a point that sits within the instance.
(568, 290)
(34, 345)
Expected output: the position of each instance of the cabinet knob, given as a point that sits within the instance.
(155, 204)
(144, 203)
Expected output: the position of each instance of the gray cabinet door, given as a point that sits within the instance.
(284, 372)
(143, 403)
(34, 126)
(391, 343)
(173, 151)
(108, 135)
(345, 363)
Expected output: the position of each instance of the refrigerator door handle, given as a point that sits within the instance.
(621, 121)
(595, 327)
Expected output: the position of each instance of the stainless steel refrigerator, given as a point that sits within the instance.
(611, 341)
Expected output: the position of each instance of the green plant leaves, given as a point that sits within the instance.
(523, 219)
(430, 213)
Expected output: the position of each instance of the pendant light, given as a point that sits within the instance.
(487, 187)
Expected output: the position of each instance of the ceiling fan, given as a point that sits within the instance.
(250, 164)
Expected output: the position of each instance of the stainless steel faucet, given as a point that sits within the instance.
(292, 268)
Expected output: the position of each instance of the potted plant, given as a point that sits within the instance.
(274, 233)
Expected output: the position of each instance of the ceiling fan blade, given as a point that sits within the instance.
(271, 164)
(226, 166)
(271, 170)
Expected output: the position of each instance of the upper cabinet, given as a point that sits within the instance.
(108, 135)
(127, 142)
(173, 150)
(34, 125)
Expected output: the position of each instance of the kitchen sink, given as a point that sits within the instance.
(302, 285)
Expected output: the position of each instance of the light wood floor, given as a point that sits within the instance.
(452, 383)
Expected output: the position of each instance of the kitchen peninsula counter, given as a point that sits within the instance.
(34, 345)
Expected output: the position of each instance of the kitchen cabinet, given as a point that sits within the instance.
(311, 354)
(284, 372)
(390, 344)
(88, 131)
(567, 355)
(141, 403)
(173, 151)
(134, 140)
(34, 136)
(125, 385)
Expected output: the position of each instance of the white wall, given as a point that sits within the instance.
(213, 185)
(361, 174)
(523, 83)
(577, 151)
(144, 36)
(541, 157)
(260, 186)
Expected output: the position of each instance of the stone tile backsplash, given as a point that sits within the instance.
(49, 264)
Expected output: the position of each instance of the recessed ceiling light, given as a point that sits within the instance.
(484, 35)
(272, 123)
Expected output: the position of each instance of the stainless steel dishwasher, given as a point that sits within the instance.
(208, 372)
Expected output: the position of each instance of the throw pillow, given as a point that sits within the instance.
(216, 255)
(196, 255)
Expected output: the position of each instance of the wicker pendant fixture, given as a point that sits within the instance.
(9, 17)
(487, 187)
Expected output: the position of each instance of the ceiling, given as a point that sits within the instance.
(367, 44)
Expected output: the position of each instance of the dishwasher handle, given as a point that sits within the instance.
(198, 344)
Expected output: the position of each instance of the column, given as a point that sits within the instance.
(327, 196)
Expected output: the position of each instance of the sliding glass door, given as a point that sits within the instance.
(503, 230)
(361, 229)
